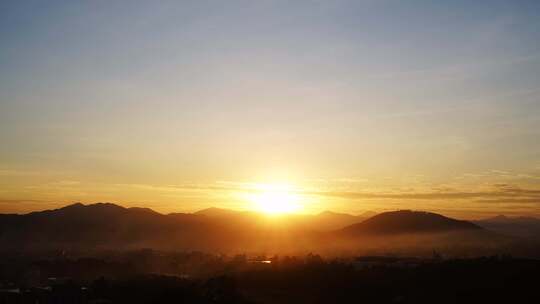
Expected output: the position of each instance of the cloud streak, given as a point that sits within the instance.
(505, 195)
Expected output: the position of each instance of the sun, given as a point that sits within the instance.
(275, 199)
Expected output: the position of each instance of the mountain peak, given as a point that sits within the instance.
(408, 221)
(143, 210)
(79, 208)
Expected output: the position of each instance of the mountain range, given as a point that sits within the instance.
(520, 226)
(109, 226)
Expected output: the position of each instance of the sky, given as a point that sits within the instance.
(349, 105)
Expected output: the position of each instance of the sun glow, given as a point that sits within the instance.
(275, 199)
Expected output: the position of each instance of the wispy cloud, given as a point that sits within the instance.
(506, 194)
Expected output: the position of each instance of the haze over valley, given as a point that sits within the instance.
(106, 226)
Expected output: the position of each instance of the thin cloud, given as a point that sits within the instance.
(502, 195)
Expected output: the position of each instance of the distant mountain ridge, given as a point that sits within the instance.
(323, 221)
(521, 226)
(106, 225)
(110, 225)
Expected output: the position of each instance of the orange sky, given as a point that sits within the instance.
(355, 105)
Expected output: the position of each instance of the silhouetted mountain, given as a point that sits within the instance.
(109, 226)
(406, 221)
(415, 232)
(217, 212)
(507, 219)
(324, 221)
(106, 225)
(526, 227)
(92, 225)
(329, 220)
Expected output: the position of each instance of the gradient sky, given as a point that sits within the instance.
(358, 105)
